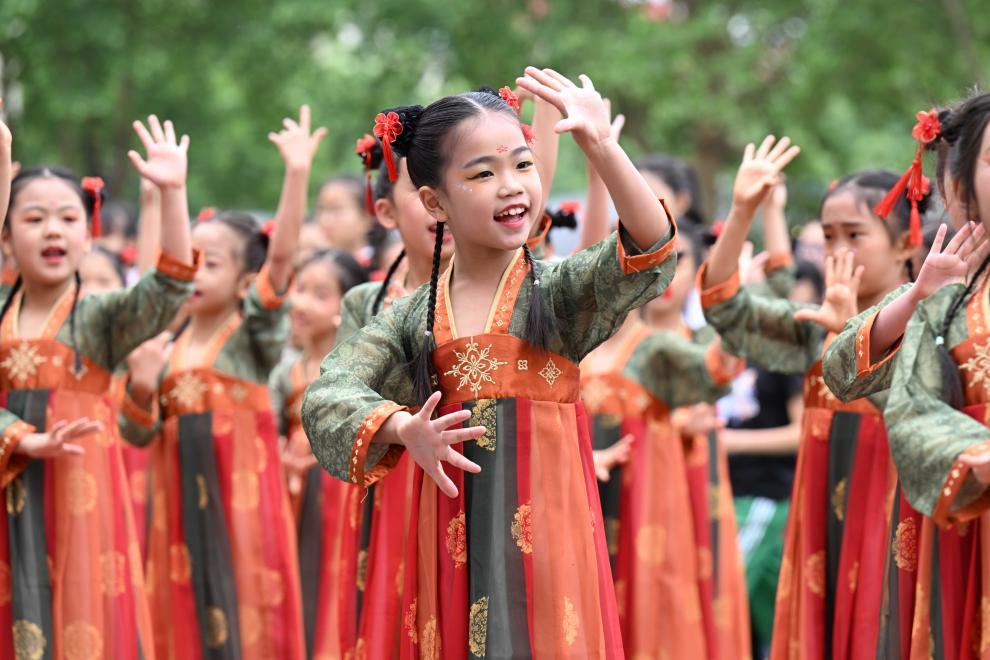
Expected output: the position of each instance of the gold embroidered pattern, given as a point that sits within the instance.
(204, 495)
(478, 627)
(138, 482)
(216, 628)
(612, 535)
(113, 570)
(16, 494)
(814, 568)
(483, 414)
(429, 639)
(409, 622)
(474, 367)
(550, 372)
(784, 581)
(714, 501)
(244, 491)
(457, 539)
(250, 624)
(23, 362)
(839, 500)
(29, 642)
(853, 576)
(979, 367)
(188, 390)
(81, 491)
(522, 528)
(362, 569)
(82, 641)
(570, 621)
(180, 567)
(651, 541)
(522, 365)
(905, 546)
(272, 586)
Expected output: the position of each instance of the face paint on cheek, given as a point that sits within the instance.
(463, 187)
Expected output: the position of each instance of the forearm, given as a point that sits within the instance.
(546, 143)
(777, 240)
(175, 239)
(288, 222)
(724, 258)
(780, 440)
(594, 224)
(149, 231)
(641, 213)
(891, 322)
(5, 171)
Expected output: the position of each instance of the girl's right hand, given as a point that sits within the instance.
(166, 162)
(760, 171)
(60, 441)
(962, 255)
(429, 441)
(296, 144)
(841, 292)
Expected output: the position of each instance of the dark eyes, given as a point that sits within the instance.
(524, 164)
(482, 175)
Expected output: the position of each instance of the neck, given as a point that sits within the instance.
(44, 296)
(203, 325)
(865, 302)
(319, 347)
(665, 320)
(477, 264)
(419, 271)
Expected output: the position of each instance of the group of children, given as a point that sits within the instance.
(488, 449)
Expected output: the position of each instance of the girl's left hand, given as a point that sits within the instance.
(295, 142)
(842, 279)
(167, 159)
(584, 110)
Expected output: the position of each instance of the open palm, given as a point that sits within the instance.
(585, 112)
(166, 160)
(950, 266)
(842, 280)
(760, 169)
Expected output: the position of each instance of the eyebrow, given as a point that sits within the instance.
(32, 207)
(491, 159)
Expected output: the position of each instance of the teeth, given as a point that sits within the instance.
(512, 211)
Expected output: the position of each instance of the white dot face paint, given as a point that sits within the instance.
(463, 187)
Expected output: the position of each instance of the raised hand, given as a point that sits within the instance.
(760, 170)
(6, 139)
(585, 113)
(618, 121)
(951, 265)
(606, 459)
(295, 143)
(842, 279)
(776, 200)
(145, 363)
(429, 441)
(166, 158)
(59, 441)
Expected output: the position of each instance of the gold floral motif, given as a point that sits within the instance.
(650, 544)
(478, 627)
(550, 372)
(457, 539)
(839, 500)
(134, 565)
(704, 562)
(244, 493)
(979, 367)
(22, 362)
(362, 569)
(814, 568)
(905, 546)
(272, 586)
(138, 482)
(16, 494)
(113, 570)
(853, 576)
(204, 493)
(595, 393)
(189, 390)
(5, 584)
(429, 637)
(714, 501)
(570, 622)
(784, 581)
(217, 631)
(82, 641)
(250, 624)
(612, 535)
(522, 365)
(80, 491)
(29, 642)
(484, 414)
(522, 528)
(409, 622)
(474, 367)
(179, 565)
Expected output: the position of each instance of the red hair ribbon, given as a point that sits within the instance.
(387, 128)
(573, 207)
(268, 227)
(913, 183)
(510, 97)
(128, 254)
(205, 213)
(364, 147)
(94, 186)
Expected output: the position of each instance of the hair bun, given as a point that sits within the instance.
(408, 116)
(369, 150)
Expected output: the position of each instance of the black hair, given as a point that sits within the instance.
(118, 265)
(806, 271)
(29, 174)
(868, 188)
(383, 291)
(563, 217)
(254, 242)
(424, 142)
(348, 271)
(681, 178)
(693, 236)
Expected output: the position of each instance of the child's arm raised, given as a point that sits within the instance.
(149, 226)
(595, 223)
(297, 146)
(6, 168)
(586, 116)
(546, 141)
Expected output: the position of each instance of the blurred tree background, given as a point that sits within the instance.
(695, 78)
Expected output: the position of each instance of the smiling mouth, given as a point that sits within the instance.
(53, 254)
(512, 215)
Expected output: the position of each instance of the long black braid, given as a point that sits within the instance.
(10, 298)
(952, 385)
(380, 298)
(72, 325)
(423, 370)
(541, 326)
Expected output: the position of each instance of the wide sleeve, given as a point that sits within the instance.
(847, 368)
(927, 436)
(109, 326)
(346, 406)
(681, 372)
(763, 330)
(266, 322)
(12, 429)
(591, 292)
(355, 309)
(138, 426)
(279, 390)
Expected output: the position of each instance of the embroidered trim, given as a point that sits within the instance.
(943, 515)
(863, 365)
(719, 293)
(178, 270)
(362, 441)
(637, 263)
(270, 299)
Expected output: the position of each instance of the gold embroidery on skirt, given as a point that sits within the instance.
(522, 528)
(570, 621)
(409, 622)
(814, 568)
(853, 576)
(478, 627)
(429, 639)
(217, 632)
(905, 546)
(839, 500)
(272, 586)
(250, 624)
(81, 491)
(82, 641)
(457, 539)
(15, 496)
(113, 569)
(204, 493)
(362, 569)
(29, 642)
(244, 491)
(651, 543)
(138, 482)
(179, 564)
(483, 414)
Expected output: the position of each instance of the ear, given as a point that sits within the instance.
(244, 284)
(337, 320)
(903, 248)
(682, 202)
(385, 212)
(433, 202)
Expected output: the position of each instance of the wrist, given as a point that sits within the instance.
(741, 213)
(298, 169)
(600, 150)
(142, 391)
(389, 433)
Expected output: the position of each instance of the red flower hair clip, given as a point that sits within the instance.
(510, 98)
(205, 213)
(128, 255)
(268, 227)
(387, 128)
(94, 186)
(573, 207)
(364, 148)
(913, 184)
(528, 134)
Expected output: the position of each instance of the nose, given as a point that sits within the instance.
(52, 226)
(510, 185)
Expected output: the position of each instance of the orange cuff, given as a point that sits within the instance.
(863, 365)
(545, 223)
(778, 261)
(176, 269)
(720, 292)
(362, 441)
(270, 299)
(135, 413)
(718, 364)
(11, 465)
(637, 263)
(944, 516)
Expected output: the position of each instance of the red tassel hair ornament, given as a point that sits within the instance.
(913, 183)
(387, 128)
(365, 145)
(94, 186)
